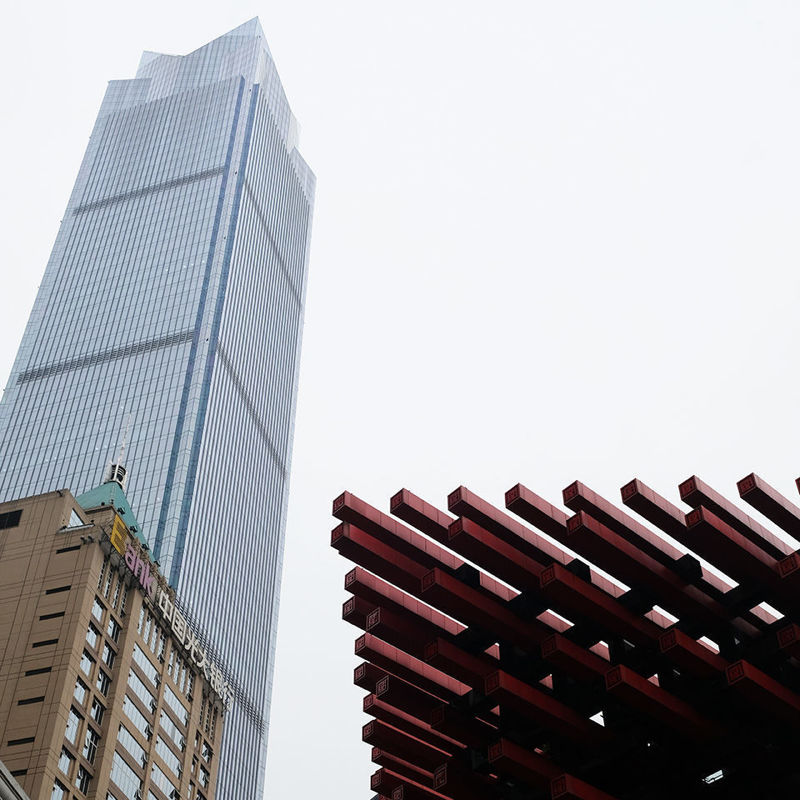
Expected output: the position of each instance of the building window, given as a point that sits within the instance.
(207, 754)
(97, 712)
(87, 662)
(66, 761)
(103, 682)
(91, 636)
(114, 629)
(74, 520)
(127, 780)
(59, 791)
(80, 692)
(136, 717)
(73, 723)
(176, 705)
(90, 744)
(171, 729)
(163, 782)
(124, 601)
(108, 655)
(127, 740)
(10, 519)
(144, 663)
(107, 587)
(168, 757)
(204, 776)
(82, 780)
(141, 691)
(98, 609)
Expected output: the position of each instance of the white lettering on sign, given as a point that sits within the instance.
(188, 639)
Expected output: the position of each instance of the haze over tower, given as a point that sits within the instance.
(174, 296)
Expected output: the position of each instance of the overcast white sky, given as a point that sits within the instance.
(552, 240)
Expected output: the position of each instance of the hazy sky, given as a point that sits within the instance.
(551, 241)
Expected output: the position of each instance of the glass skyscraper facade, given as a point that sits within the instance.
(172, 306)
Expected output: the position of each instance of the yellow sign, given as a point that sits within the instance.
(119, 534)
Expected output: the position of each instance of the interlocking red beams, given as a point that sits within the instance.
(617, 555)
(405, 745)
(694, 657)
(400, 766)
(508, 758)
(696, 493)
(581, 664)
(653, 701)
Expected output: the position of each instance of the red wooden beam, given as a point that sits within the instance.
(467, 504)
(402, 694)
(411, 669)
(367, 675)
(401, 766)
(417, 751)
(576, 599)
(691, 655)
(475, 608)
(546, 711)
(638, 692)
(580, 498)
(464, 727)
(541, 514)
(762, 691)
(771, 503)
(423, 516)
(466, 667)
(697, 493)
(574, 660)
(789, 640)
(522, 763)
(400, 628)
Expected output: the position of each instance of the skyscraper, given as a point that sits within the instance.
(172, 308)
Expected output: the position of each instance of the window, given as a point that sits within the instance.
(136, 717)
(163, 782)
(74, 520)
(168, 757)
(103, 682)
(97, 712)
(127, 740)
(141, 691)
(91, 636)
(108, 655)
(66, 761)
(145, 665)
(80, 691)
(73, 723)
(127, 780)
(171, 729)
(114, 629)
(59, 791)
(207, 754)
(176, 705)
(98, 609)
(90, 744)
(87, 662)
(82, 779)
(204, 776)
(10, 519)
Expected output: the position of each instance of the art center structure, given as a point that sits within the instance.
(499, 665)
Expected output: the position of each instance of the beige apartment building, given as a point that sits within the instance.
(106, 689)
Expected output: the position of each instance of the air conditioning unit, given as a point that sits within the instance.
(153, 705)
(148, 732)
(183, 744)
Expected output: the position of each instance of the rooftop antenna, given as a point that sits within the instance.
(116, 471)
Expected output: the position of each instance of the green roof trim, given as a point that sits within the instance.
(112, 494)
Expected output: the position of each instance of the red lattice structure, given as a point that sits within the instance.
(500, 665)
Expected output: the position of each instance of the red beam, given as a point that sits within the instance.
(467, 667)
(575, 598)
(400, 628)
(580, 498)
(386, 736)
(467, 504)
(771, 503)
(475, 608)
(762, 691)
(638, 692)
(349, 508)
(367, 675)
(574, 660)
(464, 727)
(402, 694)
(423, 516)
(532, 768)
(401, 766)
(789, 640)
(691, 655)
(544, 710)
(697, 493)
(493, 554)
(408, 668)
(541, 514)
